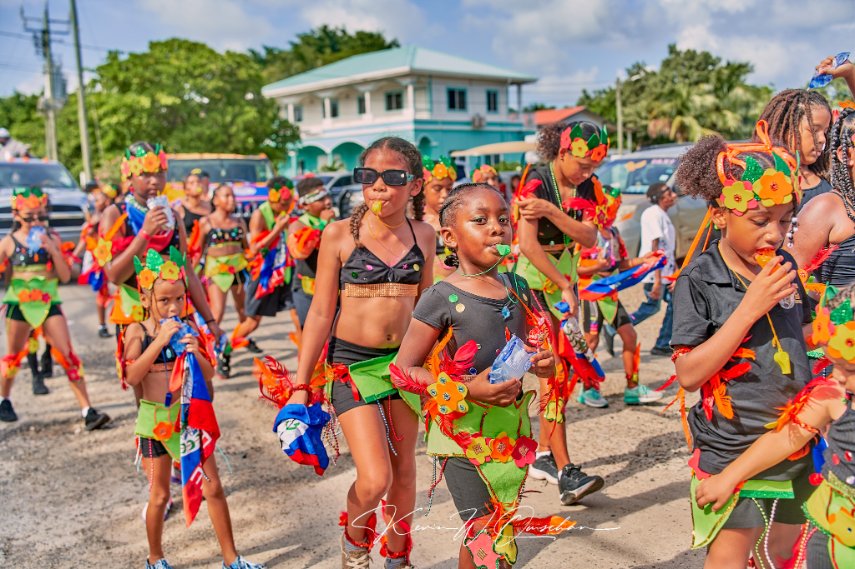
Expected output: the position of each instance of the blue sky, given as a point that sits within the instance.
(568, 44)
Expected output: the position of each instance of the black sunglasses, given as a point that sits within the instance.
(32, 218)
(390, 177)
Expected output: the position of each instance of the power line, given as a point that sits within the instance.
(60, 41)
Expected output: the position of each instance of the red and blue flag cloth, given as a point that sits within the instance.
(199, 430)
(271, 269)
(610, 285)
(300, 429)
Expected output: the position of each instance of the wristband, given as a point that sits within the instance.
(144, 235)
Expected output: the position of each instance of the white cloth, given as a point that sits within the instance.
(655, 224)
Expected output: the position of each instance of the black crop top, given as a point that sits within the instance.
(167, 355)
(547, 232)
(23, 258)
(190, 218)
(364, 267)
(222, 236)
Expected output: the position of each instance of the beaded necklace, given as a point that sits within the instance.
(567, 240)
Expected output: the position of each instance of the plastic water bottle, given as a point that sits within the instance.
(162, 201)
(34, 238)
(511, 363)
(175, 340)
(822, 79)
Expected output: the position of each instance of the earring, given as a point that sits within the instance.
(794, 226)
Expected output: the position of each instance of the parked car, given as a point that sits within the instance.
(349, 198)
(246, 174)
(69, 206)
(633, 173)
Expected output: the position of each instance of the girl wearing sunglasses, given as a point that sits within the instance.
(373, 267)
(32, 301)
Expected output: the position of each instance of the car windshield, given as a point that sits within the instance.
(43, 175)
(252, 170)
(634, 176)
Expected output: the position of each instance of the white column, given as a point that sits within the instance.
(411, 99)
(327, 109)
(368, 114)
(519, 98)
(291, 113)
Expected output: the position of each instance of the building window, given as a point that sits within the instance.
(456, 99)
(394, 101)
(333, 109)
(298, 113)
(360, 105)
(492, 101)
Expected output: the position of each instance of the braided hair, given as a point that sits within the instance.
(412, 157)
(842, 142)
(549, 137)
(448, 212)
(784, 113)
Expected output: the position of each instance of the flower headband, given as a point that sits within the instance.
(31, 198)
(596, 147)
(156, 268)
(143, 161)
(279, 191)
(482, 173)
(835, 328)
(439, 169)
(771, 186)
(608, 202)
(108, 190)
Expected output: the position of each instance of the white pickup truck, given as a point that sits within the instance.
(68, 203)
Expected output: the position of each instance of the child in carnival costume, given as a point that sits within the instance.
(32, 301)
(270, 265)
(478, 426)
(606, 259)
(102, 196)
(550, 225)
(739, 313)
(172, 363)
(224, 239)
(304, 239)
(440, 176)
(130, 228)
(824, 407)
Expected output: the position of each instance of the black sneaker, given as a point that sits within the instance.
(7, 414)
(103, 332)
(656, 351)
(224, 367)
(544, 468)
(47, 363)
(95, 419)
(253, 347)
(573, 484)
(39, 387)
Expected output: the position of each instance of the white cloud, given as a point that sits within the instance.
(562, 89)
(225, 24)
(400, 19)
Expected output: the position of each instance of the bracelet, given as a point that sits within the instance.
(209, 320)
(144, 235)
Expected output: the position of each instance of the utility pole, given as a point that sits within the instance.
(81, 96)
(53, 80)
(619, 111)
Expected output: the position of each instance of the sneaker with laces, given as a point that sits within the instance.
(544, 468)
(641, 394)
(354, 557)
(39, 387)
(593, 398)
(573, 484)
(7, 413)
(241, 563)
(103, 332)
(95, 419)
(657, 351)
(160, 564)
(253, 347)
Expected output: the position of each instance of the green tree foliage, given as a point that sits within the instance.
(19, 113)
(693, 93)
(316, 48)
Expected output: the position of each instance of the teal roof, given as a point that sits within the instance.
(389, 62)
